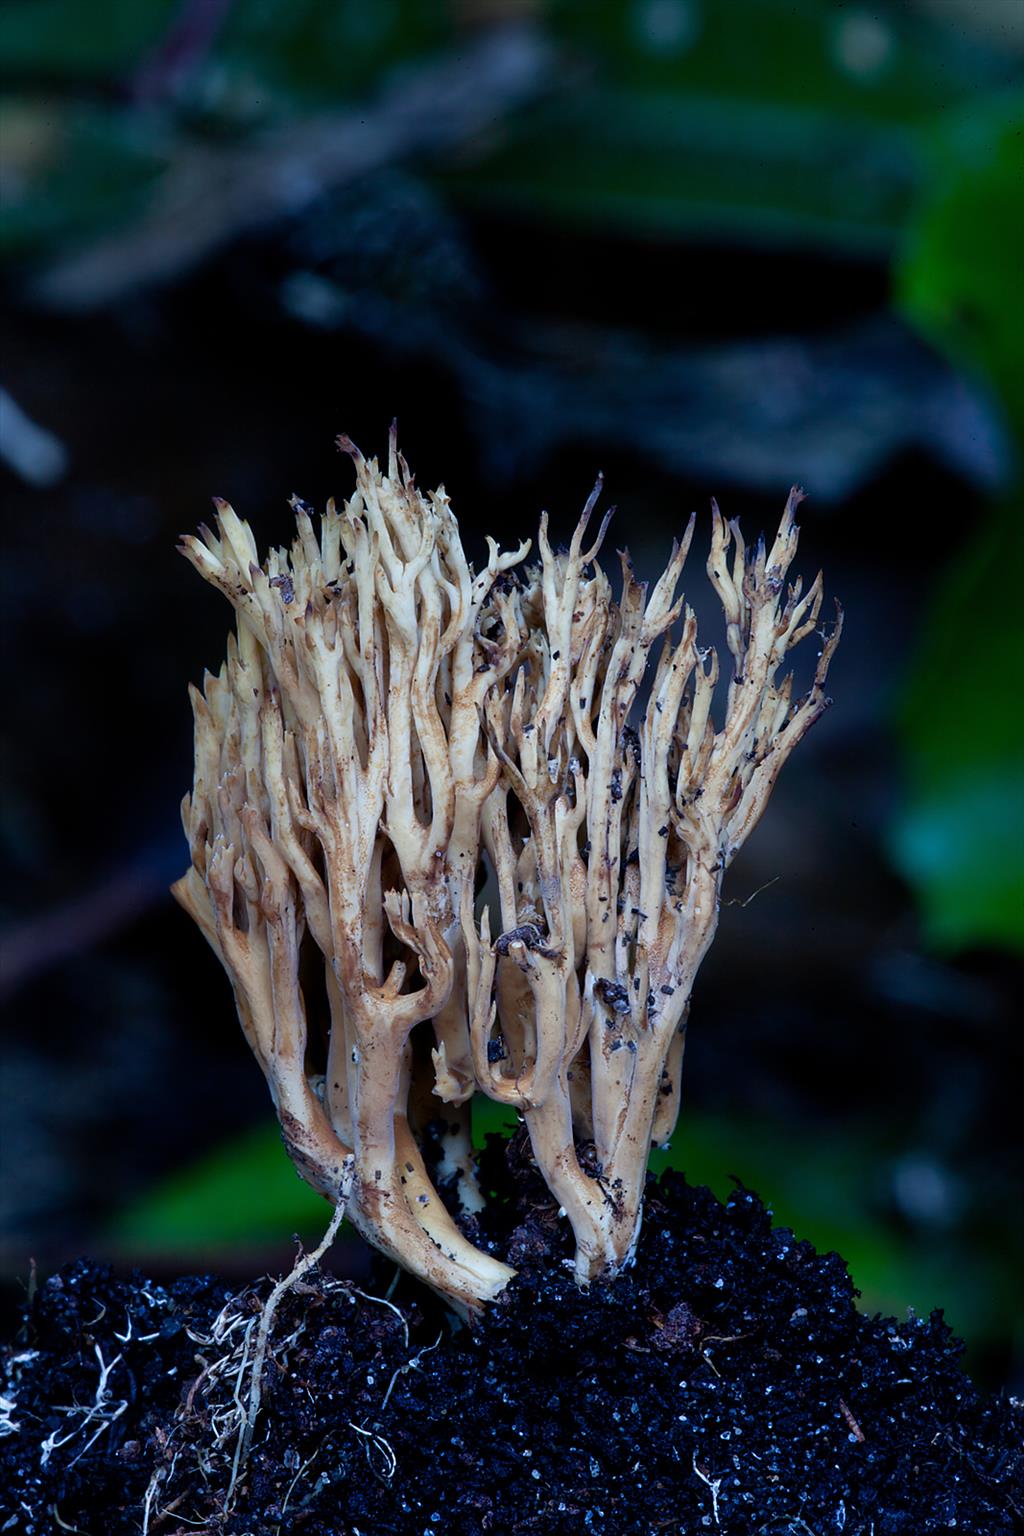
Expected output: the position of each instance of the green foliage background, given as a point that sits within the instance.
(960, 838)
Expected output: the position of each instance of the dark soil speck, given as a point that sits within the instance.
(726, 1384)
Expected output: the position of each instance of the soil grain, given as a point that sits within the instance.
(726, 1384)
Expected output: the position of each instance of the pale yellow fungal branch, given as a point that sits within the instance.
(615, 818)
(340, 772)
(388, 723)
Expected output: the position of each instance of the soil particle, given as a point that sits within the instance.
(614, 995)
(725, 1384)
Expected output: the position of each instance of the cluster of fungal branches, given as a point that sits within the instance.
(393, 739)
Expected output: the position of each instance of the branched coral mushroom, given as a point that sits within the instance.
(392, 727)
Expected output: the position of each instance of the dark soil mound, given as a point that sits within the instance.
(726, 1384)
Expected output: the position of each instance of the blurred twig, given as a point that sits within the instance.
(212, 194)
(34, 454)
(187, 41)
(48, 939)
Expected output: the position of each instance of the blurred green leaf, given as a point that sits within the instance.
(763, 120)
(65, 39)
(69, 170)
(661, 163)
(959, 280)
(491, 1119)
(243, 1192)
(960, 836)
(759, 120)
(328, 49)
(74, 166)
(883, 63)
(306, 47)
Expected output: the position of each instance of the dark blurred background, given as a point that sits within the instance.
(706, 247)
